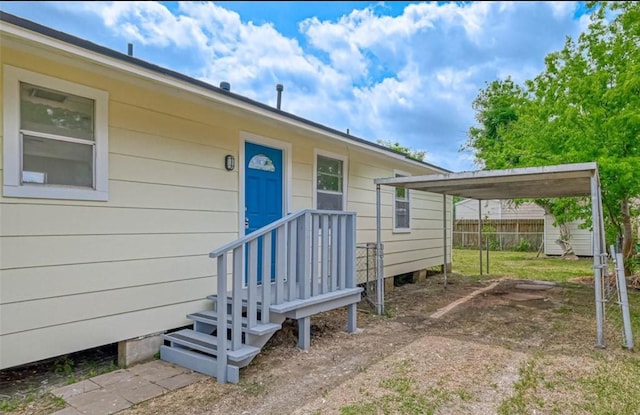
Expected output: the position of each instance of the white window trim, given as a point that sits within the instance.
(393, 218)
(345, 175)
(12, 186)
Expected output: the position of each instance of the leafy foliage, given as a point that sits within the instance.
(585, 106)
(396, 146)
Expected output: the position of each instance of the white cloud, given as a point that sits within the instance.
(410, 77)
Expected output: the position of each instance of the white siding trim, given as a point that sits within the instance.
(12, 186)
(287, 175)
(345, 175)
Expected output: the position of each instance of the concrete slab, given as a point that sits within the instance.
(74, 389)
(533, 287)
(157, 370)
(99, 402)
(522, 297)
(119, 390)
(69, 410)
(180, 381)
(141, 393)
(112, 377)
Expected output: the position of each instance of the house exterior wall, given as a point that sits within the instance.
(498, 209)
(77, 274)
(581, 239)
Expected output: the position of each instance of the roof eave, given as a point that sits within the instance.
(31, 31)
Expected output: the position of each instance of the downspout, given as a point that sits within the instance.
(379, 264)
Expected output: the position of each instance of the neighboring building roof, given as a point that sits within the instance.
(118, 56)
(498, 209)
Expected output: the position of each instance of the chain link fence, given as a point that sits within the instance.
(366, 271)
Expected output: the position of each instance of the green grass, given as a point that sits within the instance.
(613, 388)
(525, 388)
(520, 265)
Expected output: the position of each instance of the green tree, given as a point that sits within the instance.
(584, 106)
(396, 146)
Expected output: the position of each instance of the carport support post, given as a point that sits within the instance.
(480, 232)
(444, 236)
(596, 219)
(379, 265)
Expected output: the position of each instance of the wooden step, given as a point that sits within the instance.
(198, 362)
(207, 343)
(210, 317)
(318, 303)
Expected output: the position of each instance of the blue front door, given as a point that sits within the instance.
(263, 192)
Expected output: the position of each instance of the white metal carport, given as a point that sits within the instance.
(566, 180)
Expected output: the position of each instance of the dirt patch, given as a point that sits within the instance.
(466, 361)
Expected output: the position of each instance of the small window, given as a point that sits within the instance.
(55, 138)
(402, 208)
(261, 162)
(330, 183)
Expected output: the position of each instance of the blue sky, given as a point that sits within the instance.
(399, 71)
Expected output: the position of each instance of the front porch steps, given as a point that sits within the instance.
(209, 317)
(196, 348)
(208, 344)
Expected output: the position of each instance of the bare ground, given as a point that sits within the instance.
(467, 362)
(482, 357)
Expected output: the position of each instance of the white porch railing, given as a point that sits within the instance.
(314, 252)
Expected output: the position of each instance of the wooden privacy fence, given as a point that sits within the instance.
(500, 234)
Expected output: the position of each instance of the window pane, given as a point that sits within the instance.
(47, 111)
(328, 165)
(401, 192)
(329, 174)
(329, 201)
(402, 214)
(330, 183)
(49, 161)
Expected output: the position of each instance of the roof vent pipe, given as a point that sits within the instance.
(224, 85)
(279, 88)
(130, 49)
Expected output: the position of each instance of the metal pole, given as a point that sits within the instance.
(444, 235)
(487, 250)
(379, 271)
(597, 266)
(623, 298)
(480, 232)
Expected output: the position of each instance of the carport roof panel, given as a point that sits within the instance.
(531, 182)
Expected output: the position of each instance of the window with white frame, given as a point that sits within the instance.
(402, 208)
(330, 183)
(55, 138)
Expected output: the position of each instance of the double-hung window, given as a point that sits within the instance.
(55, 138)
(330, 182)
(401, 208)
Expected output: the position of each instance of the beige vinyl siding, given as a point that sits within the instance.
(403, 252)
(76, 274)
(84, 334)
(137, 263)
(581, 239)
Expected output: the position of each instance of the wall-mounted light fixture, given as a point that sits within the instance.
(229, 162)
